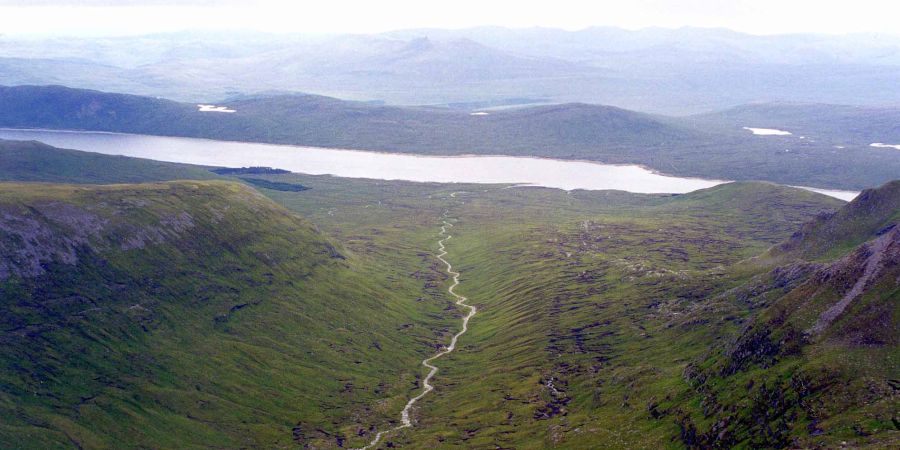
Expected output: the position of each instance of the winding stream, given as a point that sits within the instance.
(426, 383)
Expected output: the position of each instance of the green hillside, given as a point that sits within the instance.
(197, 314)
(815, 362)
(596, 292)
(617, 300)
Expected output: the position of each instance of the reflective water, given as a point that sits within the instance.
(561, 174)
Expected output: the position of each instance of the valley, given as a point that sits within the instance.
(603, 316)
(499, 225)
(588, 325)
(405, 421)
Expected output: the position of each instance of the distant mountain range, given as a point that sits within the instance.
(688, 70)
(829, 146)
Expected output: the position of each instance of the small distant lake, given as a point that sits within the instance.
(545, 172)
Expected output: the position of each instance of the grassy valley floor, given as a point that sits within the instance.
(603, 317)
(591, 304)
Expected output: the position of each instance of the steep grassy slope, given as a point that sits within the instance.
(580, 323)
(197, 314)
(569, 131)
(815, 367)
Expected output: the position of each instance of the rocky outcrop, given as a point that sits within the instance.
(32, 236)
(37, 233)
(872, 258)
(780, 383)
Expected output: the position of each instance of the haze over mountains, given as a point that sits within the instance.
(688, 70)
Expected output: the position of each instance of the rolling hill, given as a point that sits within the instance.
(837, 124)
(328, 122)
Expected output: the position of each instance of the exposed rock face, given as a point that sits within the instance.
(872, 258)
(800, 390)
(172, 225)
(764, 342)
(35, 234)
(39, 234)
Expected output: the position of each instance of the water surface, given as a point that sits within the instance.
(545, 172)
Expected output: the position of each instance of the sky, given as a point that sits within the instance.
(129, 17)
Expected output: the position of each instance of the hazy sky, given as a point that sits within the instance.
(99, 17)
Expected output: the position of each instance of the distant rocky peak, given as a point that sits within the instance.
(419, 44)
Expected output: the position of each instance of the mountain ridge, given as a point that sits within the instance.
(823, 318)
(874, 212)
